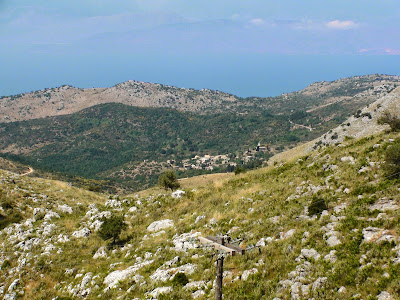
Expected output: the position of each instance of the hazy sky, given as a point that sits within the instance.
(250, 47)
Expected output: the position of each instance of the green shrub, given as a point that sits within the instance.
(239, 170)
(180, 279)
(392, 160)
(392, 120)
(317, 206)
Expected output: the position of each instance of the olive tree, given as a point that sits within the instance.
(112, 228)
(168, 180)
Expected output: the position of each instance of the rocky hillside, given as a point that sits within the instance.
(326, 97)
(364, 122)
(67, 99)
(327, 225)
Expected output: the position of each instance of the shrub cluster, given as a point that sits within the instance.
(392, 120)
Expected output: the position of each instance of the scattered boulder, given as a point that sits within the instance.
(384, 296)
(264, 241)
(384, 205)
(163, 275)
(132, 209)
(331, 257)
(160, 290)
(186, 241)
(348, 159)
(247, 273)
(198, 294)
(112, 279)
(159, 225)
(319, 283)
(287, 234)
(213, 221)
(307, 254)
(100, 253)
(84, 232)
(65, 209)
(195, 285)
(374, 234)
(50, 215)
(199, 218)
(177, 194)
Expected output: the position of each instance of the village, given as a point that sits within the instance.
(210, 162)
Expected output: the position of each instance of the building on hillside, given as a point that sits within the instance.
(260, 148)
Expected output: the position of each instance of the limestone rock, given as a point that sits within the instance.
(160, 290)
(307, 254)
(186, 241)
(331, 257)
(198, 294)
(50, 215)
(199, 218)
(159, 225)
(384, 205)
(163, 275)
(195, 285)
(100, 253)
(288, 234)
(384, 296)
(319, 283)
(65, 209)
(247, 273)
(177, 194)
(84, 232)
(112, 279)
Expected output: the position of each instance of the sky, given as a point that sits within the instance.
(249, 48)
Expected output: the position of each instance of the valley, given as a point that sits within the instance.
(123, 137)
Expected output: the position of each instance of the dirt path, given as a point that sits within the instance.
(300, 125)
(31, 170)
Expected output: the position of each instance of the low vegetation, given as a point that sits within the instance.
(344, 249)
(392, 120)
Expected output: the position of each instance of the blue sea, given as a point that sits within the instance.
(240, 74)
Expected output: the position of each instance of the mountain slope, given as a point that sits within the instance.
(107, 141)
(351, 92)
(351, 250)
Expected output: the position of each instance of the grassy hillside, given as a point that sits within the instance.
(348, 251)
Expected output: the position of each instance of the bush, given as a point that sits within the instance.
(392, 120)
(168, 180)
(392, 160)
(239, 170)
(180, 279)
(317, 206)
(112, 228)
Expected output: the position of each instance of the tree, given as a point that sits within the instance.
(168, 180)
(112, 227)
(392, 160)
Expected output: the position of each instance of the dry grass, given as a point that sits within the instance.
(217, 180)
(292, 154)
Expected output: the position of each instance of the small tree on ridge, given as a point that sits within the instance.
(168, 180)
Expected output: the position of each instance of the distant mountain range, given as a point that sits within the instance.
(348, 92)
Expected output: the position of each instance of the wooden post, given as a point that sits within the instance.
(220, 270)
